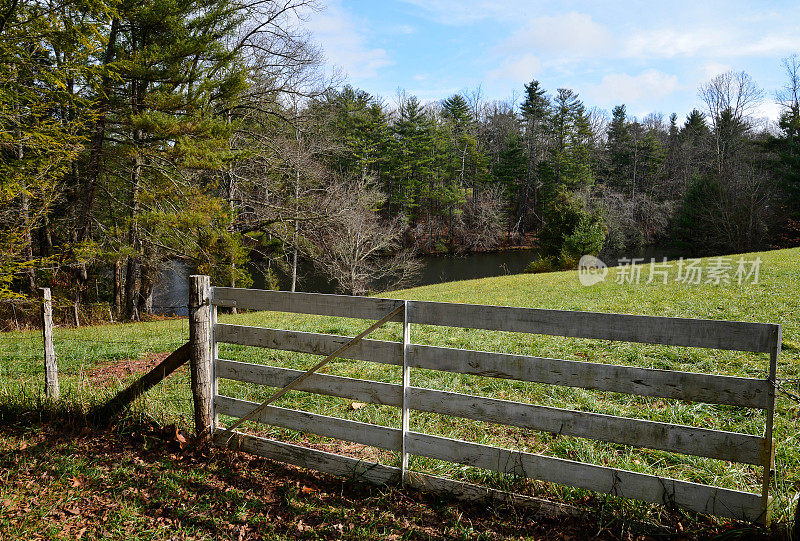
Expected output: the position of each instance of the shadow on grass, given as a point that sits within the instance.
(62, 477)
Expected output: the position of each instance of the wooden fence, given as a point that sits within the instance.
(758, 394)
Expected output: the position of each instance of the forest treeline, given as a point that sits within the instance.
(138, 132)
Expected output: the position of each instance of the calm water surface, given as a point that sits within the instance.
(172, 291)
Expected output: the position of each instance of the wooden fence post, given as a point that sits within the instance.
(200, 360)
(50, 365)
(406, 384)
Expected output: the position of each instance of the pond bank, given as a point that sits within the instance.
(171, 292)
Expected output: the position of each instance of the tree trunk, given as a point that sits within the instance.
(294, 267)
(147, 278)
(118, 291)
(522, 211)
(25, 209)
(295, 236)
(46, 237)
(131, 291)
(233, 282)
(97, 139)
(231, 193)
(81, 277)
(145, 299)
(135, 261)
(27, 239)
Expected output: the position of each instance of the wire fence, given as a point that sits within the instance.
(94, 363)
(25, 313)
(108, 350)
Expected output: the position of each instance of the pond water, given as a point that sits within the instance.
(172, 291)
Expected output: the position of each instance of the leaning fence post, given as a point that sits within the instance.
(50, 365)
(200, 360)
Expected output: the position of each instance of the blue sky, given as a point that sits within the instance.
(650, 56)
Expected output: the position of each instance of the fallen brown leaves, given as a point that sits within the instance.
(182, 438)
(86, 484)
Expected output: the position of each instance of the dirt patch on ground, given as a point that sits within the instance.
(120, 370)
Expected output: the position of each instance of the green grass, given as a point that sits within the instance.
(774, 299)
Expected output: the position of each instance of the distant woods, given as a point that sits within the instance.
(134, 133)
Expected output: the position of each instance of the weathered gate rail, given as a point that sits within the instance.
(715, 389)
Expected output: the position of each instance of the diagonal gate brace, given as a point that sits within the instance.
(297, 381)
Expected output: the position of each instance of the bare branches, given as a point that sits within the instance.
(731, 99)
(789, 97)
(357, 249)
(734, 92)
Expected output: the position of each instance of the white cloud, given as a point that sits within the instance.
(551, 41)
(616, 88)
(460, 12)
(771, 45)
(668, 43)
(519, 69)
(713, 69)
(708, 42)
(566, 35)
(768, 110)
(345, 42)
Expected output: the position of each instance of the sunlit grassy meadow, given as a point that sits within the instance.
(774, 299)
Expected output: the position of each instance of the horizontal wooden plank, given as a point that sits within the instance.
(383, 437)
(709, 388)
(704, 333)
(715, 334)
(640, 433)
(314, 459)
(627, 484)
(360, 470)
(371, 392)
(686, 440)
(464, 491)
(305, 303)
(379, 351)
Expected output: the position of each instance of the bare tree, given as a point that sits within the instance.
(733, 91)
(481, 225)
(789, 96)
(358, 249)
(738, 199)
(272, 186)
(731, 99)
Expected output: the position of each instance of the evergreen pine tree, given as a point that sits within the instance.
(412, 157)
(619, 146)
(535, 114)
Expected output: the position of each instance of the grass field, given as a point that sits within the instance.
(773, 299)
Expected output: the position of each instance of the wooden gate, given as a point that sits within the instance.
(758, 394)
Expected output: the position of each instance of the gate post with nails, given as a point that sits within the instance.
(200, 321)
